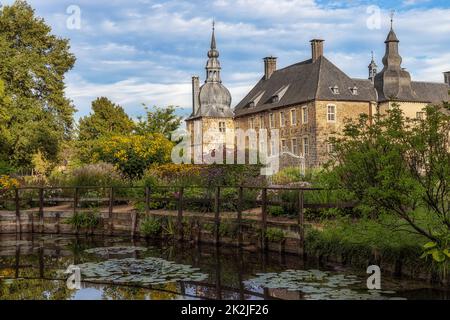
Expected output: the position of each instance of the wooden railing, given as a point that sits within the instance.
(148, 195)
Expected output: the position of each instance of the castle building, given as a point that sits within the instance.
(211, 111)
(309, 101)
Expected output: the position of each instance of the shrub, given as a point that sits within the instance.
(275, 211)
(8, 183)
(151, 227)
(100, 174)
(275, 235)
(228, 229)
(85, 220)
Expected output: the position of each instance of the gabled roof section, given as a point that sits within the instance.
(305, 81)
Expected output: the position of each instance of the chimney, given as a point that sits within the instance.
(270, 66)
(447, 77)
(195, 94)
(317, 49)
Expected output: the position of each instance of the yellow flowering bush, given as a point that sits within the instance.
(8, 183)
(133, 154)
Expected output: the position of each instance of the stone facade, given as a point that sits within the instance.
(309, 102)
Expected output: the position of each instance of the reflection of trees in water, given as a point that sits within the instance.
(36, 289)
(42, 257)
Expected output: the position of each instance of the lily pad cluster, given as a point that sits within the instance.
(320, 285)
(106, 251)
(148, 271)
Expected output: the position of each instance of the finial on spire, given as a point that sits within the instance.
(213, 37)
(392, 18)
(372, 55)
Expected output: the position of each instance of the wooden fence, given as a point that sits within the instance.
(149, 195)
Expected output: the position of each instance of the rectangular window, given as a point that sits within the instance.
(284, 146)
(294, 146)
(331, 148)
(282, 120)
(261, 122)
(420, 115)
(293, 117)
(305, 146)
(272, 120)
(251, 123)
(272, 148)
(331, 113)
(305, 115)
(222, 127)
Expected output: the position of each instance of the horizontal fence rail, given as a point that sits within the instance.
(176, 198)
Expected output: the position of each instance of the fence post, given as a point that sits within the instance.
(180, 214)
(57, 217)
(239, 214)
(301, 220)
(110, 211)
(217, 216)
(75, 200)
(17, 205)
(147, 201)
(41, 210)
(264, 219)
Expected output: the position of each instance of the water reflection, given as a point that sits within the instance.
(30, 268)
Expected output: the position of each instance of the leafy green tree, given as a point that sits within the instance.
(159, 120)
(106, 119)
(400, 166)
(35, 115)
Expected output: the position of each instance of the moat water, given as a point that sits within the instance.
(37, 267)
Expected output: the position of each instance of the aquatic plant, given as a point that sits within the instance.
(151, 227)
(275, 235)
(85, 220)
(107, 251)
(148, 271)
(320, 285)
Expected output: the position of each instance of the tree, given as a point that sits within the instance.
(159, 120)
(33, 63)
(400, 166)
(107, 119)
(133, 154)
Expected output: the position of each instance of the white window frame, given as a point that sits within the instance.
(222, 127)
(331, 148)
(293, 114)
(305, 146)
(305, 115)
(331, 116)
(284, 145)
(272, 120)
(282, 119)
(294, 146)
(420, 115)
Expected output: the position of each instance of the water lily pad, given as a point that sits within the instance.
(319, 285)
(148, 271)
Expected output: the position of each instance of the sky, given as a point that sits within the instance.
(139, 52)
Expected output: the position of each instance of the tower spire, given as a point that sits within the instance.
(213, 65)
(373, 69)
(213, 37)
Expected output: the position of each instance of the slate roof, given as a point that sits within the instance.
(431, 92)
(307, 81)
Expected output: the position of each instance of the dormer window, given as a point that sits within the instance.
(335, 89)
(255, 100)
(279, 94)
(354, 91)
